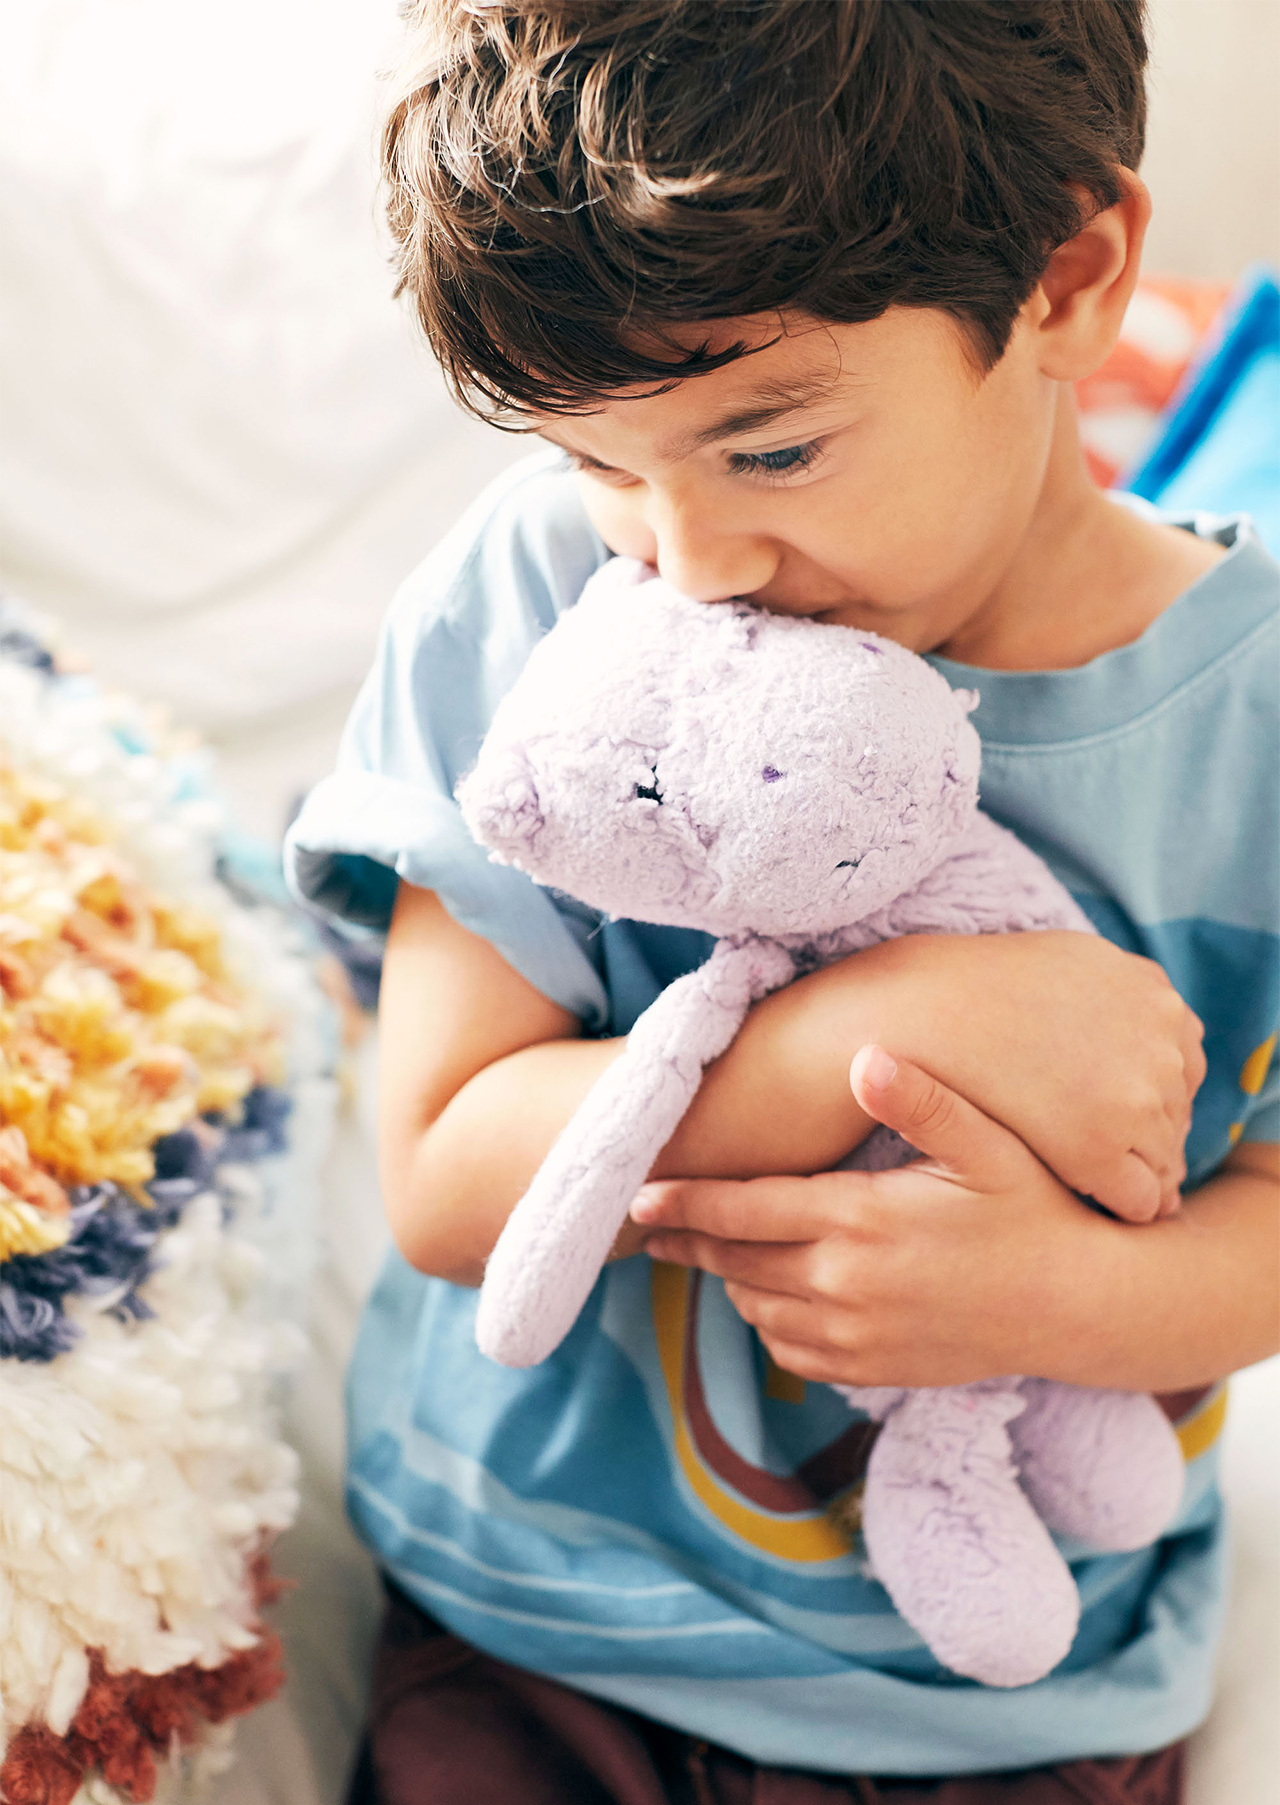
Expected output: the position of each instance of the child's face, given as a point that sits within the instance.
(865, 474)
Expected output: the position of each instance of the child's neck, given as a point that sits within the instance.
(1087, 576)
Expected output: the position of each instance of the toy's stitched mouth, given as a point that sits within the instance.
(649, 792)
(848, 864)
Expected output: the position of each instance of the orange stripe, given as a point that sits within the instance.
(1197, 1434)
(812, 1538)
(1255, 1067)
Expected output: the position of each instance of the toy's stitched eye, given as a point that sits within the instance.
(650, 791)
(848, 864)
(771, 774)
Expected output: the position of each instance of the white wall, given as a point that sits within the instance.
(1213, 148)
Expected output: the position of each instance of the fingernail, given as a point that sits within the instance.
(645, 1206)
(878, 1070)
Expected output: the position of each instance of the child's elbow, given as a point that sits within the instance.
(430, 1222)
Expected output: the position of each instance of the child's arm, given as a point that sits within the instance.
(979, 1263)
(480, 1071)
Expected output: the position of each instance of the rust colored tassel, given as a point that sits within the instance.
(39, 1769)
(127, 1720)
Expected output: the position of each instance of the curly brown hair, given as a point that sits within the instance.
(569, 180)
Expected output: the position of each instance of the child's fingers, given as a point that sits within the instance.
(939, 1123)
(776, 1267)
(1191, 1039)
(733, 1209)
(777, 1315)
(819, 1364)
(1135, 1192)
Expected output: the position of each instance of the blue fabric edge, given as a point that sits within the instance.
(1249, 322)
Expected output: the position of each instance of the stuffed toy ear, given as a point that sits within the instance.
(968, 698)
(501, 806)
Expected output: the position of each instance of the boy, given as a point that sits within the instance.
(799, 292)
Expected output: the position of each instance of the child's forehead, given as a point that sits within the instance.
(792, 368)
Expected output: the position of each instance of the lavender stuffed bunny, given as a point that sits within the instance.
(801, 791)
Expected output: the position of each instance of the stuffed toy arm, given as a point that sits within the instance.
(558, 1237)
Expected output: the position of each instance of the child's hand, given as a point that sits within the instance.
(967, 1265)
(1086, 1052)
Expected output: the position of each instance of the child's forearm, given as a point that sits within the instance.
(471, 1167)
(1180, 1303)
(779, 1101)
(1084, 1051)
(770, 1112)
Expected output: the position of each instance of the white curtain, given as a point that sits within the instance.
(220, 447)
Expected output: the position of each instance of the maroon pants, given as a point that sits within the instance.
(450, 1726)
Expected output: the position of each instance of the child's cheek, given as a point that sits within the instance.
(615, 514)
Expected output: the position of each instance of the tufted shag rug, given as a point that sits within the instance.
(165, 1101)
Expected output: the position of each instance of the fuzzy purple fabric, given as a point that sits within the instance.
(801, 791)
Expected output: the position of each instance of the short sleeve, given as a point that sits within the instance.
(456, 638)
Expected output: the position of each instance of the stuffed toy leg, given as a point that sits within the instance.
(558, 1237)
(955, 1541)
(1103, 1467)
(963, 1486)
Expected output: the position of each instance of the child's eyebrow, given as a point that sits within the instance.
(773, 401)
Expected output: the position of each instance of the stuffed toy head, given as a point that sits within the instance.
(712, 765)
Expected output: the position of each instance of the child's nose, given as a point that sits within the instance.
(711, 566)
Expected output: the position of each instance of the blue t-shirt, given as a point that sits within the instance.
(648, 1515)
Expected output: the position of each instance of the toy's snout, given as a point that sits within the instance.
(501, 805)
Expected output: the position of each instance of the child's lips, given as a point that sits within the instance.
(801, 605)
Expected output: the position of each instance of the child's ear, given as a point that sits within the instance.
(1079, 306)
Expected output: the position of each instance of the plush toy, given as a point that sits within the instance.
(801, 791)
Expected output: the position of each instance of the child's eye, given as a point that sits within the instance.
(603, 473)
(787, 462)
